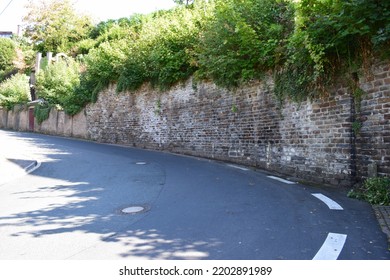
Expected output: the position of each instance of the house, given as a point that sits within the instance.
(6, 34)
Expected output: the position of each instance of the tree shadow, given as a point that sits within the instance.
(82, 189)
(21, 163)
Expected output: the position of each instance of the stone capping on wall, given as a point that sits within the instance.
(313, 140)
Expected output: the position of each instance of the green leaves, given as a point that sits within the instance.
(331, 35)
(244, 39)
(55, 26)
(7, 55)
(58, 81)
(374, 190)
(229, 42)
(14, 90)
(158, 50)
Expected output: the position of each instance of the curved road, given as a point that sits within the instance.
(71, 208)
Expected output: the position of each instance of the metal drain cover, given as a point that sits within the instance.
(133, 209)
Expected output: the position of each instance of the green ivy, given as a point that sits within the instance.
(42, 112)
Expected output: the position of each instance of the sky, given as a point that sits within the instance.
(99, 10)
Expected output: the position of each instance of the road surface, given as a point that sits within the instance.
(71, 208)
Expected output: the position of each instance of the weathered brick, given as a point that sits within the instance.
(313, 140)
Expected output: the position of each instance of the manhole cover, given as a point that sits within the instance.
(133, 209)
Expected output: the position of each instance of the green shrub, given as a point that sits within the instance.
(103, 63)
(331, 38)
(7, 56)
(81, 96)
(244, 40)
(375, 190)
(163, 53)
(14, 90)
(56, 82)
(304, 43)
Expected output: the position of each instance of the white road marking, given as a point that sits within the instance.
(281, 180)
(333, 205)
(35, 165)
(238, 167)
(332, 247)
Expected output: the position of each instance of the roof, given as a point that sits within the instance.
(6, 34)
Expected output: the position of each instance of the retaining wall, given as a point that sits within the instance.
(313, 140)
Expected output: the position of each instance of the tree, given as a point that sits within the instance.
(7, 56)
(54, 25)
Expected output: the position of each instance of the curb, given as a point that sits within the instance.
(19, 168)
(382, 214)
(32, 166)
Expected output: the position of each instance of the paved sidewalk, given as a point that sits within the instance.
(11, 168)
(383, 215)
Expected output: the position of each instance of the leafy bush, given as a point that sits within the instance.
(7, 55)
(375, 190)
(331, 37)
(57, 82)
(162, 55)
(244, 40)
(81, 96)
(14, 90)
(155, 48)
(304, 43)
(103, 63)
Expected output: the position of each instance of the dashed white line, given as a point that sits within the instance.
(333, 205)
(332, 247)
(238, 167)
(281, 180)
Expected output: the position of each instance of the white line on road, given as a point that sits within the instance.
(238, 167)
(32, 167)
(333, 205)
(281, 180)
(332, 247)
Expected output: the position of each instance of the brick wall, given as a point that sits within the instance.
(373, 140)
(313, 140)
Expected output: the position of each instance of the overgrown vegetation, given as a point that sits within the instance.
(331, 37)
(305, 44)
(56, 82)
(14, 90)
(243, 40)
(55, 26)
(7, 56)
(374, 190)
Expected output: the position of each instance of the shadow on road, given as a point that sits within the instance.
(82, 190)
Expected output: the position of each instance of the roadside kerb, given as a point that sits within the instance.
(382, 213)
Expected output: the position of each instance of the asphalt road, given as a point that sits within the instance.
(71, 208)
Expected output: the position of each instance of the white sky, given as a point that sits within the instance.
(98, 10)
